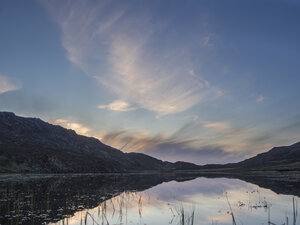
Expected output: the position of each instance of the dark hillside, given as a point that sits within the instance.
(32, 145)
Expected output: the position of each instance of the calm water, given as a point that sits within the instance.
(144, 199)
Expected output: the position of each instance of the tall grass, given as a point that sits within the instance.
(86, 219)
(183, 216)
(231, 212)
(295, 211)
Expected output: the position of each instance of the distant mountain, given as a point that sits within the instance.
(283, 158)
(280, 158)
(32, 145)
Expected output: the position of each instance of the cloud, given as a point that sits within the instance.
(117, 106)
(220, 127)
(186, 191)
(162, 88)
(198, 142)
(181, 151)
(207, 41)
(180, 146)
(79, 128)
(170, 149)
(119, 49)
(260, 98)
(8, 84)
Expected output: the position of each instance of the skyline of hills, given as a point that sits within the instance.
(32, 145)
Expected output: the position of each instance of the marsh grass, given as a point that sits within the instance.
(91, 216)
(117, 206)
(214, 222)
(182, 215)
(295, 211)
(295, 214)
(231, 212)
(268, 207)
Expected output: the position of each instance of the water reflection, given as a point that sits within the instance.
(142, 199)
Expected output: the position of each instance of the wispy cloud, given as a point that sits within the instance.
(118, 106)
(79, 128)
(260, 98)
(207, 40)
(221, 144)
(165, 88)
(196, 141)
(119, 50)
(8, 84)
(174, 148)
(191, 142)
(220, 127)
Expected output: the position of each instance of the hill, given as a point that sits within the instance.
(284, 158)
(278, 158)
(32, 145)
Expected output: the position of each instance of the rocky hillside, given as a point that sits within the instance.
(281, 158)
(284, 158)
(32, 145)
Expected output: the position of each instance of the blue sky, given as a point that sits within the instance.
(200, 81)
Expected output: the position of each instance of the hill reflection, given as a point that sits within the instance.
(44, 199)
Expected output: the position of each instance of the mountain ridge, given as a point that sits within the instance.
(33, 145)
(283, 158)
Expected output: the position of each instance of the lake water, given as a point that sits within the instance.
(145, 199)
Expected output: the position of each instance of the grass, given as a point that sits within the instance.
(179, 213)
(90, 215)
(295, 213)
(118, 204)
(231, 212)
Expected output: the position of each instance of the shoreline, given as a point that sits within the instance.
(271, 174)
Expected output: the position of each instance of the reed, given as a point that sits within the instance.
(213, 222)
(231, 212)
(184, 218)
(295, 211)
(91, 216)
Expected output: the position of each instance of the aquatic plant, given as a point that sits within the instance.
(181, 215)
(231, 212)
(295, 211)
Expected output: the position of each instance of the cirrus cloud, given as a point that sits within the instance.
(118, 106)
(220, 127)
(260, 98)
(170, 148)
(119, 49)
(8, 84)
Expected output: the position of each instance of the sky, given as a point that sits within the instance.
(198, 81)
